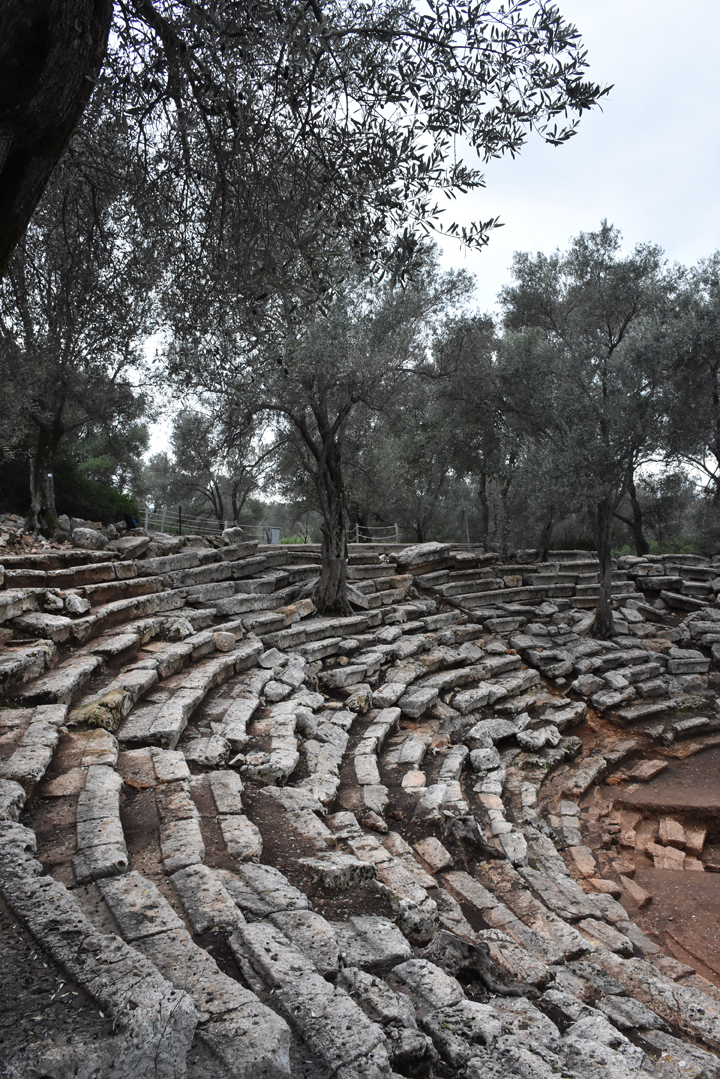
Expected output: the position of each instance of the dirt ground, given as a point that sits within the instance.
(39, 1008)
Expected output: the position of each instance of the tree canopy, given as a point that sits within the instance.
(280, 133)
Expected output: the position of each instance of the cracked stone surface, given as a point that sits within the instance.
(450, 834)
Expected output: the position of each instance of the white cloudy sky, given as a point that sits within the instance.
(649, 162)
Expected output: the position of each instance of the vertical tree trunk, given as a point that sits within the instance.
(642, 546)
(635, 523)
(43, 511)
(484, 509)
(331, 589)
(505, 523)
(546, 535)
(601, 517)
(218, 505)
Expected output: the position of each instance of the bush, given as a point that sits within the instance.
(674, 545)
(78, 496)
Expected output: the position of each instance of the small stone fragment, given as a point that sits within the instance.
(636, 893)
(584, 860)
(434, 854)
(607, 887)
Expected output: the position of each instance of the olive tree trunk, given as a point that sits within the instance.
(635, 523)
(51, 52)
(484, 509)
(601, 519)
(331, 591)
(43, 511)
(546, 534)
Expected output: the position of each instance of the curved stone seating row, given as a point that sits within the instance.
(488, 952)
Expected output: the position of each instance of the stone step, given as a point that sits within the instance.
(21, 665)
(466, 587)
(105, 592)
(683, 1007)
(34, 752)
(234, 603)
(101, 849)
(504, 595)
(260, 890)
(164, 726)
(682, 602)
(111, 614)
(155, 1035)
(246, 1036)
(53, 560)
(71, 577)
(16, 601)
(181, 841)
(325, 1016)
(373, 570)
(206, 901)
(60, 685)
(592, 591)
(314, 629)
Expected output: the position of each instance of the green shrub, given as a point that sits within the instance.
(78, 496)
(674, 545)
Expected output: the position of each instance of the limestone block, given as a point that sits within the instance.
(206, 901)
(313, 936)
(458, 1030)
(207, 752)
(260, 890)
(181, 844)
(242, 837)
(338, 872)
(89, 538)
(227, 788)
(12, 800)
(434, 854)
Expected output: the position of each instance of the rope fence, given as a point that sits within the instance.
(374, 534)
(175, 521)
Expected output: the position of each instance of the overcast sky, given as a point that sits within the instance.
(649, 162)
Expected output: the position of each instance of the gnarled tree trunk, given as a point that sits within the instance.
(635, 523)
(43, 511)
(331, 589)
(601, 518)
(484, 509)
(51, 52)
(546, 535)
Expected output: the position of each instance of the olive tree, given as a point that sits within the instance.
(585, 334)
(75, 307)
(310, 376)
(693, 398)
(278, 133)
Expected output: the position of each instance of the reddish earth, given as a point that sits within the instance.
(689, 786)
(685, 910)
